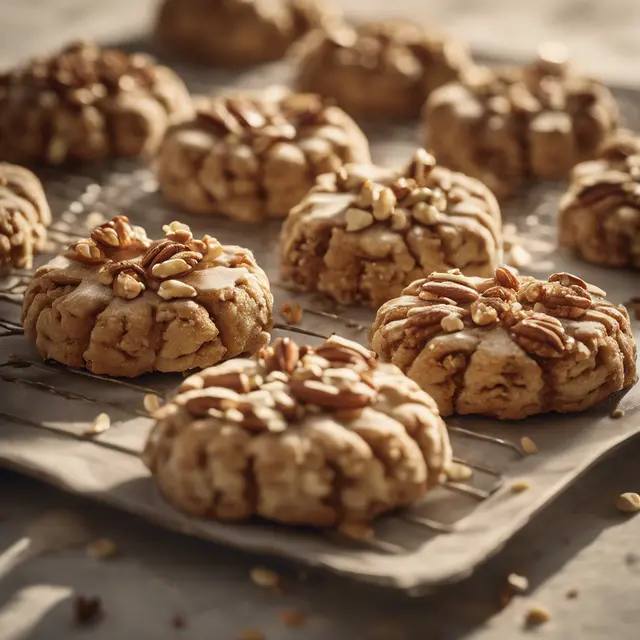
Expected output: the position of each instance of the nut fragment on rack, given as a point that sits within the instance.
(517, 583)
(263, 577)
(504, 126)
(381, 68)
(526, 346)
(528, 445)
(24, 217)
(109, 305)
(364, 233)
(599, 216)
(100, 424)
(321, 436)
(151, 403)
(520, 486)
(87, 103)
(458, 472)
(292, 312)
(238, 33)
(87, 610)
(628, 502)
(253, 155)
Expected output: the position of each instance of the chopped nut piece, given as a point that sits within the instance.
(87, 609)
(100, 424)
(519, 486)
(151, 403)
(628, 502)
(293, 618)
(617, 413)
(292, 312)
(458, 472)
(178, 621)
(537, 615)
(528, 445)
(102, 549)
(517, 583)
(263, 577)
(572, 593)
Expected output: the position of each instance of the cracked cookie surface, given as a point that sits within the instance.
(364, 233)
(599, 216)
(508, 346)
(504, 126)
(254, 155)
(321, 436)
(237, 32)
(380, 69)
(87, 103)
(122, 305)
(24, 217)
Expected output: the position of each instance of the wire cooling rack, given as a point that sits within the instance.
(46, 409)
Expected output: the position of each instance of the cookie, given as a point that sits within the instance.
(508, 346)
(504, 126)
(599, 217)
(364, 233)
(379, 69)
(320, 436)
(237, 32)
(122, 305)
(252, 156)
(87, 103)
(24, 217)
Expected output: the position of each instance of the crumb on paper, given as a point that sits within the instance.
(572, 593)
(628, 502)
(263, 577)
(517, 583)
(100, 424)
(102, 549)
(151, 403)
(178, 621)
(537, 615)
(293, 618)
(87, 609)
(617, 413)
(528, 445)
(250, 634)
(458, 472)
(291, 311)
(519, 486)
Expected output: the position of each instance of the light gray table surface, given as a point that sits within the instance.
(580, 542)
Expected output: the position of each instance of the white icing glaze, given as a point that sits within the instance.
(211, 280)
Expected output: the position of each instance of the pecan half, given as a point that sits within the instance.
(462, 293)
(541, 335)
(506, 278)
(86, 251)
(324, 395)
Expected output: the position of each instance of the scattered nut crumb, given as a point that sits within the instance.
(151, 403)
(102, 548)
(617, 413)
(263, 577)
(628, 502)
(458, 472)
(178, 621)
(291, 311)
(537, 615)
(293, 618)
(100, 424)
(517, 583)
(87, 610)
(572, 593)
(356, 530)
(250, 634)
(519, 486)
(528, 445)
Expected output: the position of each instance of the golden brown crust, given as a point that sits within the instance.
(508, 346)
(121, 305)
(87, 103)
(320, 436)
(504, 126)
(364, 233)
(599, 215)
(252, 156)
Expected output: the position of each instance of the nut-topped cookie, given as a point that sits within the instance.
(120, 304)
(24, 217)
(507, 125)
(322, 436)
(508, 346)
(87, 103)
(238, 32)
(599, 215)
(364, 233)
(252, 156)
(380, 69)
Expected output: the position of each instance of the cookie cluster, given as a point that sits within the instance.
(321, 436)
